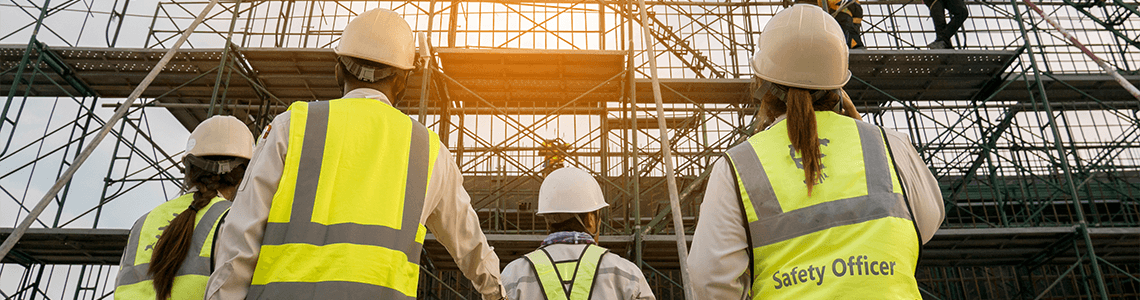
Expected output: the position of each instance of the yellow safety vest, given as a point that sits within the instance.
(582, 271)
(854, 238)
(133, 281)
(345, 220)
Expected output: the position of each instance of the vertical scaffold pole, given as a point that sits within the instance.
(1082, 224)
(667, 156)
(10, 242)
(222, 65)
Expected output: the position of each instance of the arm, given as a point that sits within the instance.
(921, 187)
(513, 276)
(720, 242)
(456, 226)
(239, 239)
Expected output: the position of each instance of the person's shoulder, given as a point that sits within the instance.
(613, 258)
(895, 135)
(891, 133)
(516, 268)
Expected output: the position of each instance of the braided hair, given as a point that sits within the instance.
(173, 244)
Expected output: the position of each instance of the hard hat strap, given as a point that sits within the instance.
(781, 92)
(215, 166)
(364, 72)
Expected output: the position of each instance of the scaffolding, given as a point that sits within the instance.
(1035, 149)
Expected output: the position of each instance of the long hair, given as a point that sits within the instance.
(800, 108)
(174, 242)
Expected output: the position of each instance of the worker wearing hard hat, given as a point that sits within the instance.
(168, 252)
(570, 264)
(849, 15)
(341, 193)
(820, 205)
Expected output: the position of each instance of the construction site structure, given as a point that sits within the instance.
(1034, 146)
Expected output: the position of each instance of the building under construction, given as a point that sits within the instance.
(1034, 145)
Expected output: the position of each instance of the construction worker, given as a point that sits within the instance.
(849, 14)
(570, 265)
(341, 193)
(944, 31)
(168, 255)
(819, 205)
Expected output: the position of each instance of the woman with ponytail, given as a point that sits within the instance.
(169, 254)
(818, 204)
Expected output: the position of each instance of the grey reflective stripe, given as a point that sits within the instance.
(756, 184)
(133, 242)
(131, 273)
(301, 229)
(800, 222)
(204, 227)
(136, 274)
(775, 226)
(415, 190)
(323, 290)
(309, 166)
(348, 233)
(874, 159)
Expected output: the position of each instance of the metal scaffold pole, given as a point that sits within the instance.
(10, 242)
(1103, 65)
(1082, 226)
(667, 157)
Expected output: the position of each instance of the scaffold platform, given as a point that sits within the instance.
(535, 81)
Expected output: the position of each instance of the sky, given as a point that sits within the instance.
(39, 116)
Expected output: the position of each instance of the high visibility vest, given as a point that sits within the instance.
(133, 281)
(853, 238)
(578, 274)
(345, 220)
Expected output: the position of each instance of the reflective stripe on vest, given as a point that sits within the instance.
(853, 238)
(345, 220)
(190, 280)
(550, 274)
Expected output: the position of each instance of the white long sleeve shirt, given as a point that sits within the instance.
(447, 214)
(616, 279)
(718, 258)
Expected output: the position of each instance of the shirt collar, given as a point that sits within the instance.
(569, 237)
(367, 93)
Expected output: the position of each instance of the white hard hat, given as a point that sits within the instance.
(570, 190)
(802, 46)
(221, 135)
(381, 36)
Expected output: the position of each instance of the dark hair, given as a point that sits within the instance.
(800, 108)
(568, 222)
(174, 242)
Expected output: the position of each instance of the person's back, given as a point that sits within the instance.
(169, 251)
(337, 206)
(341, 193)
(850, 235)
(819, 205)
(569, 265)
(614, 277)
(135, 281)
